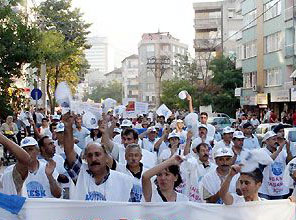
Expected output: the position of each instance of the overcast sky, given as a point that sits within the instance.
(124, 21)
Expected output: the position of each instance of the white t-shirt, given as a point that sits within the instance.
(136, 194)
(116, 188)
(240, 199)
(211, 182)
(166, 154)
(255, 122)
(60, 169)
(251, 143)
(36, 184)
(45, 132)
(183, 136)
(60, 150)
(88, 139)
(273, 174)
(149, 145)
(192, 172)
(155, 197)
(291, 167)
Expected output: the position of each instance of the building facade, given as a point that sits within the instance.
(266, 49)
(97, 57)
(156, 45)
(215, 25)
(130, 75)
(114, 76)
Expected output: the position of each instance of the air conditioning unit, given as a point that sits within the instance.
(255, 88)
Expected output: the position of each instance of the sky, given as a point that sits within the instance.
(124, 21)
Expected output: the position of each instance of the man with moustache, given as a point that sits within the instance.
(212, 181)
(94, 181)
(194, 169)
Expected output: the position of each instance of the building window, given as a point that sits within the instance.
(272, 42)
(249, 80)
(250, 19)
(272, 9)
(273, 77)
(150, 48)
(150, 86)
(249, 49)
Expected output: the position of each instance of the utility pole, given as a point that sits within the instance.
(43, 86)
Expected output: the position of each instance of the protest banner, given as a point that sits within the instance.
(49, 209)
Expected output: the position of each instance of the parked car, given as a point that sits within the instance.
(222, 122)
(224, 115)
(265, 127)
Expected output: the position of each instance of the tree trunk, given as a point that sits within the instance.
(57, 73)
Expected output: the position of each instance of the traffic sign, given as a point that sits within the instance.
(36, 94)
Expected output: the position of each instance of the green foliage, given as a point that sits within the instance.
(219, 92)
(17, 47)
(112, 90)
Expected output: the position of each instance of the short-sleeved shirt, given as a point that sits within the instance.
(240, 199)
(81, 135)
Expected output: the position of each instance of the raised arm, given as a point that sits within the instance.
(223, 192)
(188, 143)
(189, 98)
(21, 155)
(55, 189)
(146, 178)
(164, 136)
(105, 136)
(36, 132)
(68, 121)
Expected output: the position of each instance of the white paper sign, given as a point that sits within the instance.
(141, 108)
(164, 110)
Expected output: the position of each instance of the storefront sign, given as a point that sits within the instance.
(280, 96)
(248, 98)
(237, 92)
(262, 99)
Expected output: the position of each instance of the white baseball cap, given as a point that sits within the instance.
(126, 123)
(173, 135)
(117, 130)
(158, 125)
(238, 134)
(180, 121)
(55, 117)
(223, 152)
(202, 126)
(152, 129)
(29, 141)
(60, 127)
(227, 130)
(268, 135)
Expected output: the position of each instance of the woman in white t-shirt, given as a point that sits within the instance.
(249, 184)
(168, 178)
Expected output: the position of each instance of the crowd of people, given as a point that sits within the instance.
(149, 159)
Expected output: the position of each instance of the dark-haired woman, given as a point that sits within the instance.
(167, 179)
(95, 136)
(249, 184)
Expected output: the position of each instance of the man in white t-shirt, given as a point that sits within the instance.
(249, 184)
(250, 141)
(179, 130)
(254, 121)
(226, 141)
(273, 186)
(237, 148)
(194, 169)
(202, 138)
(94, 181)
(44, 129)
(59, 143)
(133, 168)
(36, 180)
(149, 142)
(80, 133)
(212, 181)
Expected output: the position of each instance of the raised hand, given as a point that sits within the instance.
(68, 120)
(50, 166)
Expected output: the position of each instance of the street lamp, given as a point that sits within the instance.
(159, 66)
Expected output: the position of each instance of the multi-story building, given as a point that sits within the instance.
(156, 45)
(215, 25)
(130, 75)
(267, 52)
(114, 76)
(97, 57)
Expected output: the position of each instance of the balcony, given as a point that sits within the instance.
(290, 50)
(207, 23)
(206, 44)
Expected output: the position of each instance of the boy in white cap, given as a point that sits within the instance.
(272, 185)
(36, 179)
(212, 181)
(173, 147)
(237, 148)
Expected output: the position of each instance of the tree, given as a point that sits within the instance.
(62, 49)
(112, 90)
(17, 47)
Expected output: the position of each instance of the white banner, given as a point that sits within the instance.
(141, 108)
(36, 209)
